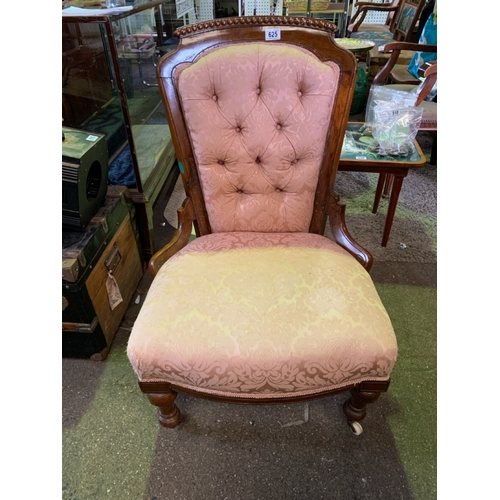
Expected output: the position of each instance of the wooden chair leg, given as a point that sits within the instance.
(168, 413)
(361, 395)
(433, 159)
(355, 407)
(391, 209)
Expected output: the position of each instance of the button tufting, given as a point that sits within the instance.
(278, 126)
(299, 93)
(221, 162)
(238, 129)
(257, 160)
(257, 91)
(293, 162)
(239, 191)
(278, 190)
(214, 97)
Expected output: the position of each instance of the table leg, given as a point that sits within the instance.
(378, 192)
(396, 188)
(388, 186)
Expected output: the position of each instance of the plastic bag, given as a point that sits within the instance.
(394, 120)
(380, 95)
(396, 128)
(349, 145)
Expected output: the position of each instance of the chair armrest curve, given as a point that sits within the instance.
(395, 49)
(185, 218)
(417, 47)
(336, 216)
(363, 9)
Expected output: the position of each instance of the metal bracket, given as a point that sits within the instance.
(80, 327)
(113, 260)
(70, 269)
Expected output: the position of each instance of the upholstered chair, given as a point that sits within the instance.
(260, 307)
(358, 25)
(404, 16)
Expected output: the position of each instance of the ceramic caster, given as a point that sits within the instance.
(356, 428)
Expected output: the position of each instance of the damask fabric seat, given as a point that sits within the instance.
(262, 314)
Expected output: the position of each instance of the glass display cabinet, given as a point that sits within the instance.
(109, 58)
(110, 49)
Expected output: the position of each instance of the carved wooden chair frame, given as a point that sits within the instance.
(315, 36)
(396, 9)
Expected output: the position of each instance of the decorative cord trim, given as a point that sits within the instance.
(270, 395)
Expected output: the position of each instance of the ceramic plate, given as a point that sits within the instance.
(355, 45)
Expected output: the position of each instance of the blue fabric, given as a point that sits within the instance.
(378, 38)
(121, 171)
(406, 18)
(428, 37)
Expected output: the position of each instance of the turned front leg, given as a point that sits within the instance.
(164, 398)
(355, 407)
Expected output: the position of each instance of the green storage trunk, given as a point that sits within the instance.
(108, 249)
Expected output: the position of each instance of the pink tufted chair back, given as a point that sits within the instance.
(258, 122)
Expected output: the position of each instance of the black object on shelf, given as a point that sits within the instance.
(84, 177)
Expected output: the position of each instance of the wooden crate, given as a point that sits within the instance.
(127, 273)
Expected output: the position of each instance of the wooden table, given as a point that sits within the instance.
(360, 159)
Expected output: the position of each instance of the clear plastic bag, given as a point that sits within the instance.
(394, 120)
(349, 145)
(381, 95)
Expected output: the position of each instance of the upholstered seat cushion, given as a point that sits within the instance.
(262, 315)
(370, 28)
(378, 37)
(400, 74)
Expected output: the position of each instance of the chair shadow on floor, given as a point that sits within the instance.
(255, 455)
